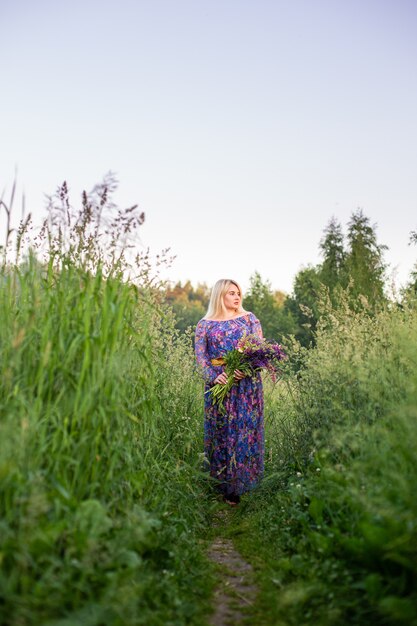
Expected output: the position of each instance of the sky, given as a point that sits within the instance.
(240, 127)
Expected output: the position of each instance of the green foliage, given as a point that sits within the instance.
(334, 520)
(409, 292)
(358, 271)
(102, 495)
(364, 262)
(333, 271)
(101, 503)
(268, 306)
(303, 304)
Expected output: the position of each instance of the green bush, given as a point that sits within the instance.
(335, 519)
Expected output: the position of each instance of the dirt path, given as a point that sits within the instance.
(235, 591)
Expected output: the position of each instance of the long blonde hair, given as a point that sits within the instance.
(216, 308)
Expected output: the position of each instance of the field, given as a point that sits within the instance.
(105, 507)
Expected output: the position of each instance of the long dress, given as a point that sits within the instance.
(234, 442)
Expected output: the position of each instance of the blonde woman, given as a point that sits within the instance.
(234, 442)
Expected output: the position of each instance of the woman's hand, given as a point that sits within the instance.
(238, 375)
(221, 378)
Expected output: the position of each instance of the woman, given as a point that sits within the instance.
(234, 442)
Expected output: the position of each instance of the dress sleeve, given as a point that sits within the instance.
(256, 327)
(207, 370)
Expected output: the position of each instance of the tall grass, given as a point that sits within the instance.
(102, 498)
(100, 433)
(336, 518)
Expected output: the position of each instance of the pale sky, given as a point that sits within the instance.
(239, 126)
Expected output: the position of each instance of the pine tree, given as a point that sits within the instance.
(364, 261)
(333, 268)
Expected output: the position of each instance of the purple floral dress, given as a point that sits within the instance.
(234, 442)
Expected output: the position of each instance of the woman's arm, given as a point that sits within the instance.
(256, 327)
(208, 371)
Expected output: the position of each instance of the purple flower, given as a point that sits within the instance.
(252, 353)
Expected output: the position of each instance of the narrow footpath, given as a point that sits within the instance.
(236, 591)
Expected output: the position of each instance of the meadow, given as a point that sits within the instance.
(104, 502)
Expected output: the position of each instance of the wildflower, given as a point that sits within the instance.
(251, 355)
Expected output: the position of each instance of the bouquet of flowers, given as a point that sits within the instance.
(251, 355)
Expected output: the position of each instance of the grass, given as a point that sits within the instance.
(102, 499)
(105, 510)
(333, 526)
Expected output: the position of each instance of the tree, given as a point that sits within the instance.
(359, 271)
(409, 292)
(302, 305)
(333, 268)
(364, 260)
(267, 305)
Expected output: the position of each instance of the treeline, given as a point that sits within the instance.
(352, 273)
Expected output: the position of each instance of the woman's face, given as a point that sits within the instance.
(232, 298)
